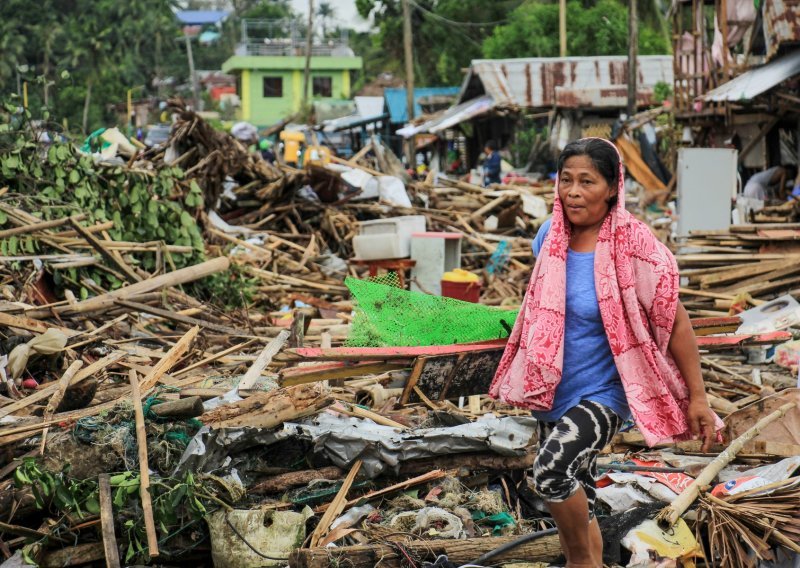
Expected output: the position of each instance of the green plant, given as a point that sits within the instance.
(662, 91)
(176, 502)
(231, 289)
(53, 181)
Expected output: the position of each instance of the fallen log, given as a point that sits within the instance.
(286, 481)
(175, 278)
(269, 409)
(545, 549)
(183, 408)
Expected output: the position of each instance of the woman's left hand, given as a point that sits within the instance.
(701, 422)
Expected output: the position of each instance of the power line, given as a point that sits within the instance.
(454, 22)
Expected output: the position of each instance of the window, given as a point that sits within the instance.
(322, 87)
(273, 87)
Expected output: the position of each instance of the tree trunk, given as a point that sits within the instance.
(309, 47)
(86, 102)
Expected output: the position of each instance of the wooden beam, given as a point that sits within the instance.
(107, 523)
(263, 360)
(144, 469)
(169, 359)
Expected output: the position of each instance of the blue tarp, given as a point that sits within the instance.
(201, 17)
(396, 100)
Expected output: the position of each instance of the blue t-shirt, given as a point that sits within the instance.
(589, 371)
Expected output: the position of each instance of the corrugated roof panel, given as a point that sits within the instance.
(532, 82)
(752, 83)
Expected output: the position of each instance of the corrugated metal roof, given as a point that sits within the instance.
(781, 24)
(450, 117)
(756, 81)
(396, 100)
(201, 17)
(540, 82)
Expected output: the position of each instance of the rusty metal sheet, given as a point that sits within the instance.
(752, 83)
(609, 97)
(781, 24)
(542, 82)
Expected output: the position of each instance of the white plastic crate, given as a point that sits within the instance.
(387, 238)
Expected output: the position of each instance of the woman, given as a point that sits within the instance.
(601, 335)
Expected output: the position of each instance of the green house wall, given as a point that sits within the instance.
(264, 111)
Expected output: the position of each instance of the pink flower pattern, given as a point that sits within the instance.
(636, 280)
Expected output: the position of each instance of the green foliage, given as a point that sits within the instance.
(231, 289)
(662, 91)
(448, 34)
(600, 28)
(56, 181)
(176, 502)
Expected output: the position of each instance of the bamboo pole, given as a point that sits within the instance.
(144, 470)
(670, 514)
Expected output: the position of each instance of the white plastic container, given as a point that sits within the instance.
(387, 238)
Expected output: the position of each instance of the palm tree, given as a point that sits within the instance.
(325, 11)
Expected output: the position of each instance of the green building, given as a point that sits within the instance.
(270, 63)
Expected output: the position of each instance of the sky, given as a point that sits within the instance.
(345, 12)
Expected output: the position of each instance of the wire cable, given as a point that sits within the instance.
(456, 23)
(250, 546)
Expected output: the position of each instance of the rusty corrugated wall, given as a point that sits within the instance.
(781, 24)
(570, 81)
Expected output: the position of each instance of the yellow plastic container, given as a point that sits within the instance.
(291, 145)
(460, 275)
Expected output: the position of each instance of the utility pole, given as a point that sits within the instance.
(192, 72)
(562, 26)
(409, 78)
(633, 48)
(309, 43)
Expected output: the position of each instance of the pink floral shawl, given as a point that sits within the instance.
(636, 278)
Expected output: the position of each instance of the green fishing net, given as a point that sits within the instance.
(386, 315)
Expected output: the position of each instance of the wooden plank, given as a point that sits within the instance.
(386, 353)
(33, 325)
(729, 341)
(107, 522)
(305, 375)
(336, 506)
(144, 469)
(61, 387)
(169, 359)
(263, 360)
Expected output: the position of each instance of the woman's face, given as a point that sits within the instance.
(584, 192)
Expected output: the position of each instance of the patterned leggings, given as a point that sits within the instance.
(568, 451)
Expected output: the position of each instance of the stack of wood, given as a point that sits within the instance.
(744, 265)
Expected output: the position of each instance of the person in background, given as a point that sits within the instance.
(265, 147)
(491, 164)
(769, 184)
(601, 336)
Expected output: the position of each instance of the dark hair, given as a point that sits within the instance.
(491, 144)
(603, 155)
(791, 171)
